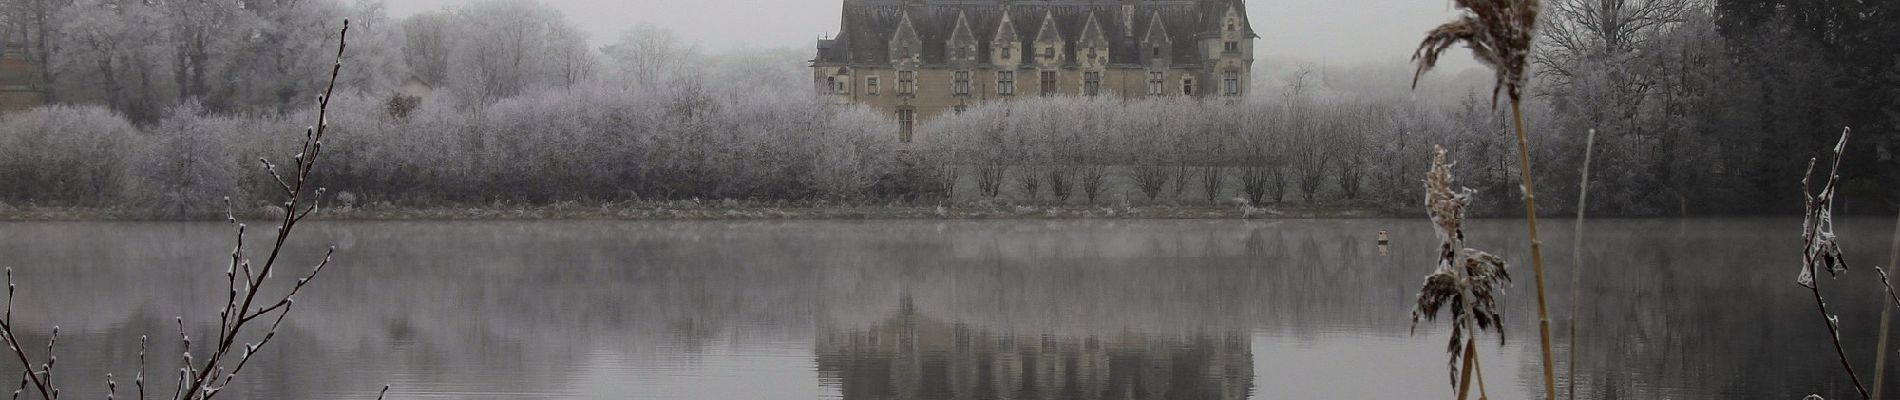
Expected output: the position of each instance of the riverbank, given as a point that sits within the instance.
(721, 210)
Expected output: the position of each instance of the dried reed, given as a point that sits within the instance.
(242, 307)
(1822, 251)
(1576, 261)
(1886, 313)
(1499, 34)
(1466, 279)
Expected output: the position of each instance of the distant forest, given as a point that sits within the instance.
(1701, 107)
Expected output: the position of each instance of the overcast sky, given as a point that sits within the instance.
(1337, 32)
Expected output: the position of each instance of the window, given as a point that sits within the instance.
(906, 82)
(1157, 82)
(1230, 84)
(961, 86)
(1048, 83)
(906, 122)
(1233, 46)
(1187, 86)
(1091, 83)
(1157, 52)
(1005, 50)
(1006, 83)
(870, 85)
(1049, 53)
(831, 83)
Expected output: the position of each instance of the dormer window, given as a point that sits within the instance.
(1233, 46)
(1049, 52)
(1005, 51)
(1157, 52)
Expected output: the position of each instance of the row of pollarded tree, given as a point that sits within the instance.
(1184, 150)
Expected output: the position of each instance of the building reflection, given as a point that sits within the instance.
(913, 356)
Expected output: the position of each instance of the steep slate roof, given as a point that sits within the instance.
(864, 37)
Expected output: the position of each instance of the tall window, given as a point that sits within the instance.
(1006, 83)
(1187, 86)
(1230, 84)
(906, 82)
(870, 85)
(961, 86)
(1091, 83)
(1157, 82)
(906, 123)
(1048, 83)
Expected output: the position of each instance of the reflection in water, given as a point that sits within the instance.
(897, 309)
(914, 356)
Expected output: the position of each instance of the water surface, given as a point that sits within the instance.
(926, 309)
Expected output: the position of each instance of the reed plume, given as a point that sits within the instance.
(1499, 34)
(1467, 280)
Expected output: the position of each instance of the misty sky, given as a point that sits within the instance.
(1337, 32)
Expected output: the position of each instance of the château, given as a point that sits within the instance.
(918, 59)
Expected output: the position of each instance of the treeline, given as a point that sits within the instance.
(1701, 107)
(606, 144)
(1300, 150)
(1715, 106)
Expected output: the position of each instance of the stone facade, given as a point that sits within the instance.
(918, 59)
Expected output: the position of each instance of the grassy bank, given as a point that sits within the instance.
(728, 210)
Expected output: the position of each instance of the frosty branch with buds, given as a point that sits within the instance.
(244, 305)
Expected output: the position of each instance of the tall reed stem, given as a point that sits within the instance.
(1576, 262)
(1886, 313)
(1537, 247)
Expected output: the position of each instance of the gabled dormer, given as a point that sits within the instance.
(1157, 48)
(961, 50)
(1049, 46)
(1233, 33)
(906, 48)
(1006, 47)
(1091, 48)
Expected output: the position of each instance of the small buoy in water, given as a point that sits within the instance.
(1384, 244)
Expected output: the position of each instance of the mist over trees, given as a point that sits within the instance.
(1701, 107)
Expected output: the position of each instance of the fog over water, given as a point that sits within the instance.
(865, 310)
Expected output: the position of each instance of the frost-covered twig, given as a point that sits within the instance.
(241, 306)
(1821, 251)
(13, 343)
